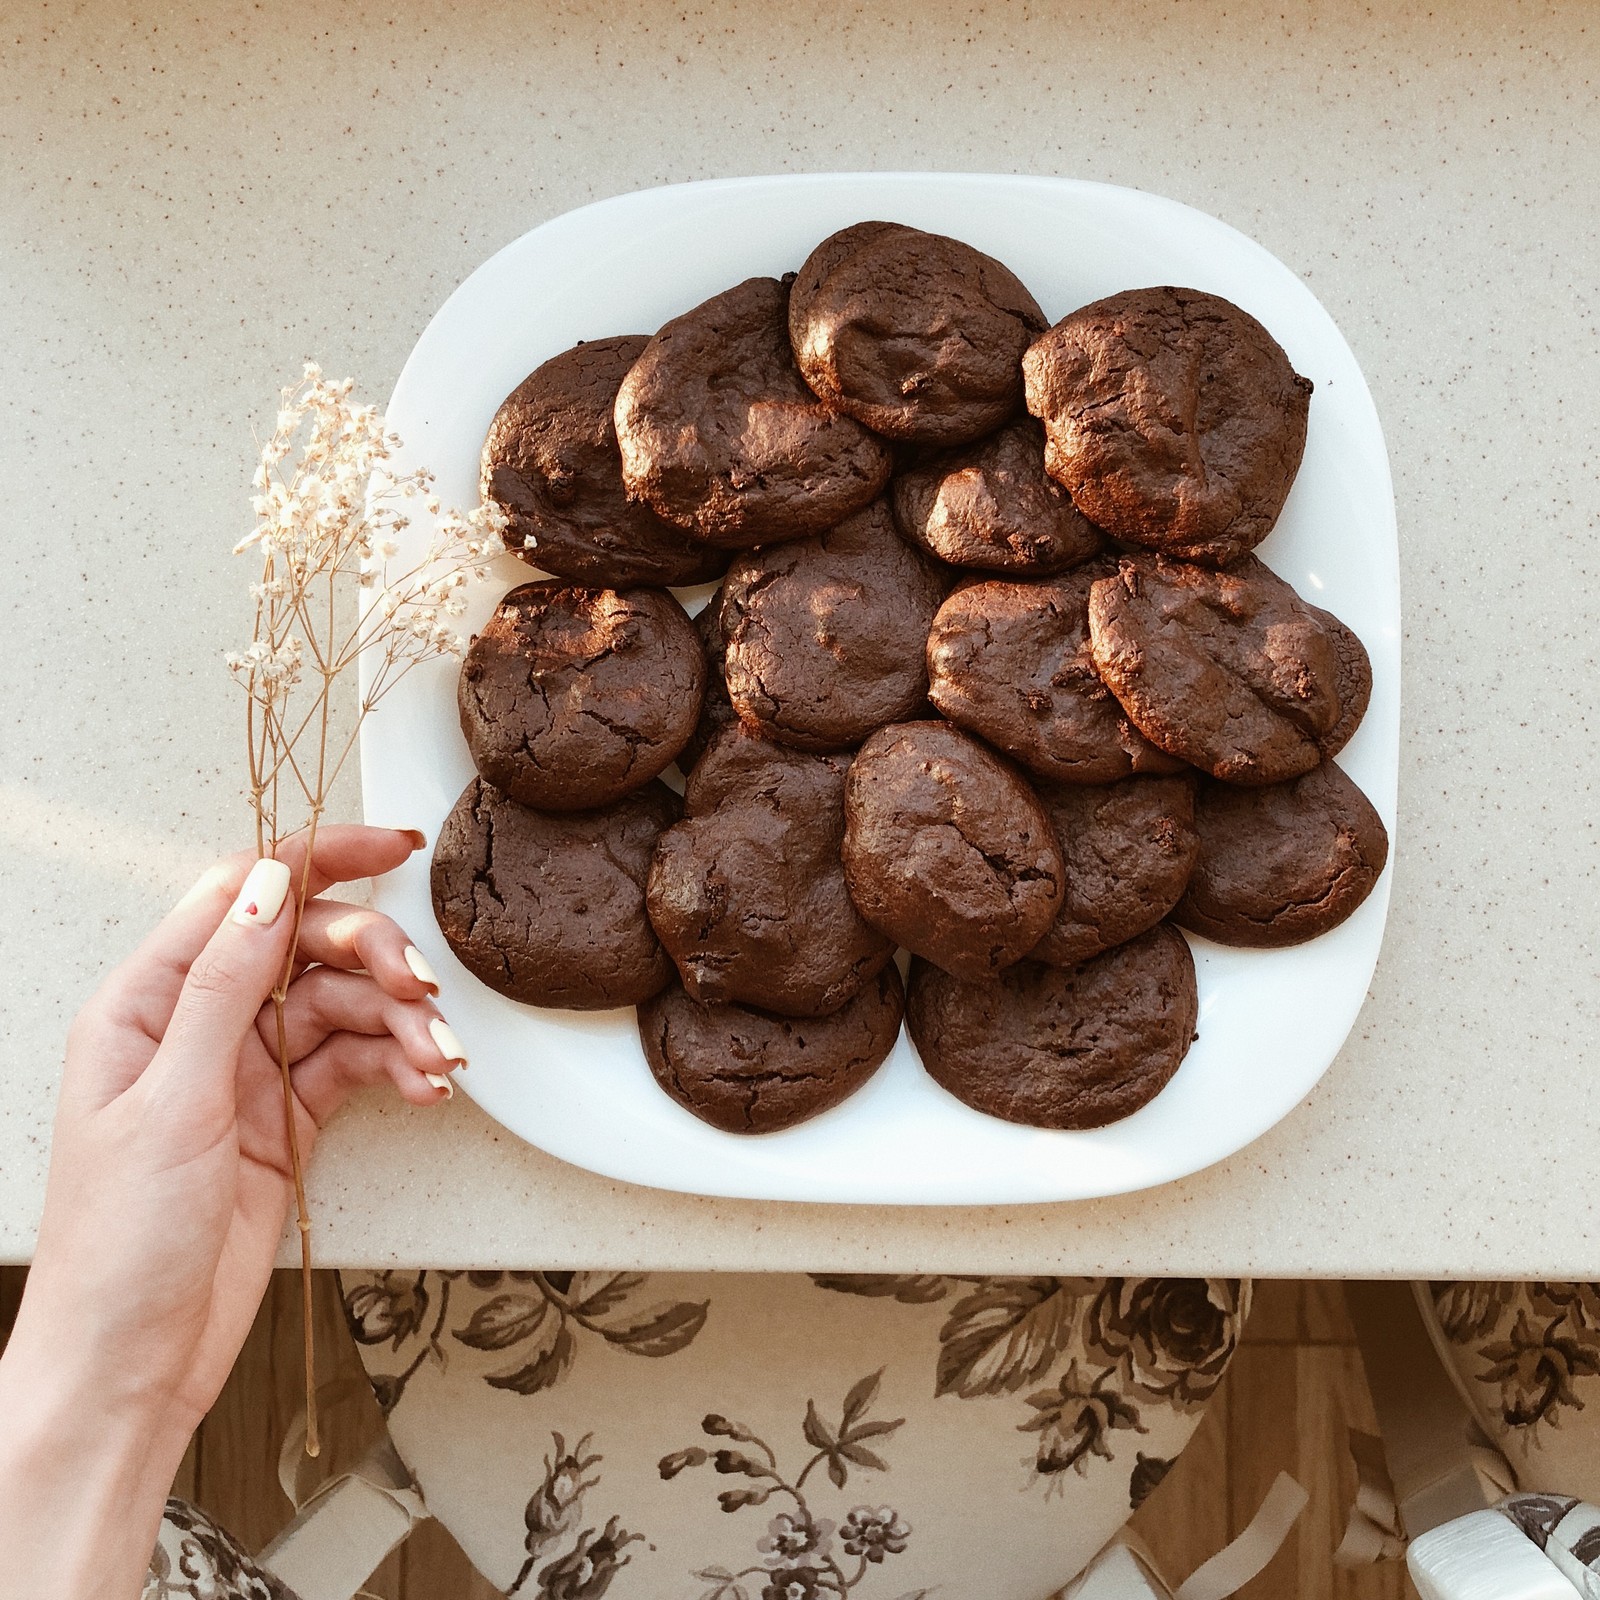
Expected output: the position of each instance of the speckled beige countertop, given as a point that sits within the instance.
(192, 200)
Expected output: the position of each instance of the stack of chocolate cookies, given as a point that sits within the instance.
(992, 677)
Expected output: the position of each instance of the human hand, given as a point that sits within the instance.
(170, 1174)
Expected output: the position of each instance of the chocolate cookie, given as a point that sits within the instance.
(1355, 683)
(1278, 866)
(716, 710)
(992, 506)
(1010, 661)
(1232, 671)
(914, 334)
(747, 1071)
(1129, 849)
(550, 910)
(571, 697)
(825, 636)
(1060, 1047)
(747, 893)
(552, 464)
(1173, 418)
(720, 435)
(947, 850)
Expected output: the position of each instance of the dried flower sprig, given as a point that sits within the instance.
(329, 509)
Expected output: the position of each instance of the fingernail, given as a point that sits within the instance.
(265, 889)
(439, 1081)
(420, 970)
(416, 836)
(445, 1037)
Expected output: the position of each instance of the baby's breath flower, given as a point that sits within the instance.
(325, 495)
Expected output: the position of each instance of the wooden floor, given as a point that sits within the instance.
(1294, 1386)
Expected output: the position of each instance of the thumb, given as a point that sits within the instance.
(227, 985)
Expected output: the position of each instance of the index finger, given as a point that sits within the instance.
(344, 851)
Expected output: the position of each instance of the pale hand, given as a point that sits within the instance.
(171, 1180)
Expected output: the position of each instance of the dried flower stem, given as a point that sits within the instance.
(333, 517)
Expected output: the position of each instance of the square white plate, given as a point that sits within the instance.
(576, 1084)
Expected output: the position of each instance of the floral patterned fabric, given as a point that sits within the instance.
(1527, 1355)
(733, 1437)
(194, 1559)
(1567, 1530)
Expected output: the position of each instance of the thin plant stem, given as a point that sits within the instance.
(300, 547)
(302, 1211)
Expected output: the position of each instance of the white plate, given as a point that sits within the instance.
(576, 1084)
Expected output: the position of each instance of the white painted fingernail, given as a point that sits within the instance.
(445, 1037)
(420, 970)
(263, 894)
(439, 1081)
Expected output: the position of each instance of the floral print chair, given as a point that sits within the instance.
(732, 1437)
(1526, 1359)
(1524, 1362)
(1526, 1356)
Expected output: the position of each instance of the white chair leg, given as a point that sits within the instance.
(1483, 1557)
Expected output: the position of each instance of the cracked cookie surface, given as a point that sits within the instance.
(1129, 848)
(572, 697)
(947, 850)
(1281, 865)
(551, 462)
(720, 435)
(1010, 662)
(826, 637)
(992, 507)
(1060, 1047)
(1231, 671)
(1173, 418)
(915, 334)
(747, 1071)
(716, 710)
(747, 893)
(549, 909)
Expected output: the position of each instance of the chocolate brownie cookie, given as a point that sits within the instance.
(1355, 683)
(1060, 1047)
(914, 334)
(716, 710)
(720, 435)
(552, 464)
(1173, 418)
(571, 697)
(1278, 866)
(1010, 662)
(947, 850)
(826, 636)
(1232, 670)
(993, 507)
(747, 1071)
(747, 893)
(1129, 849)
(550, 910)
